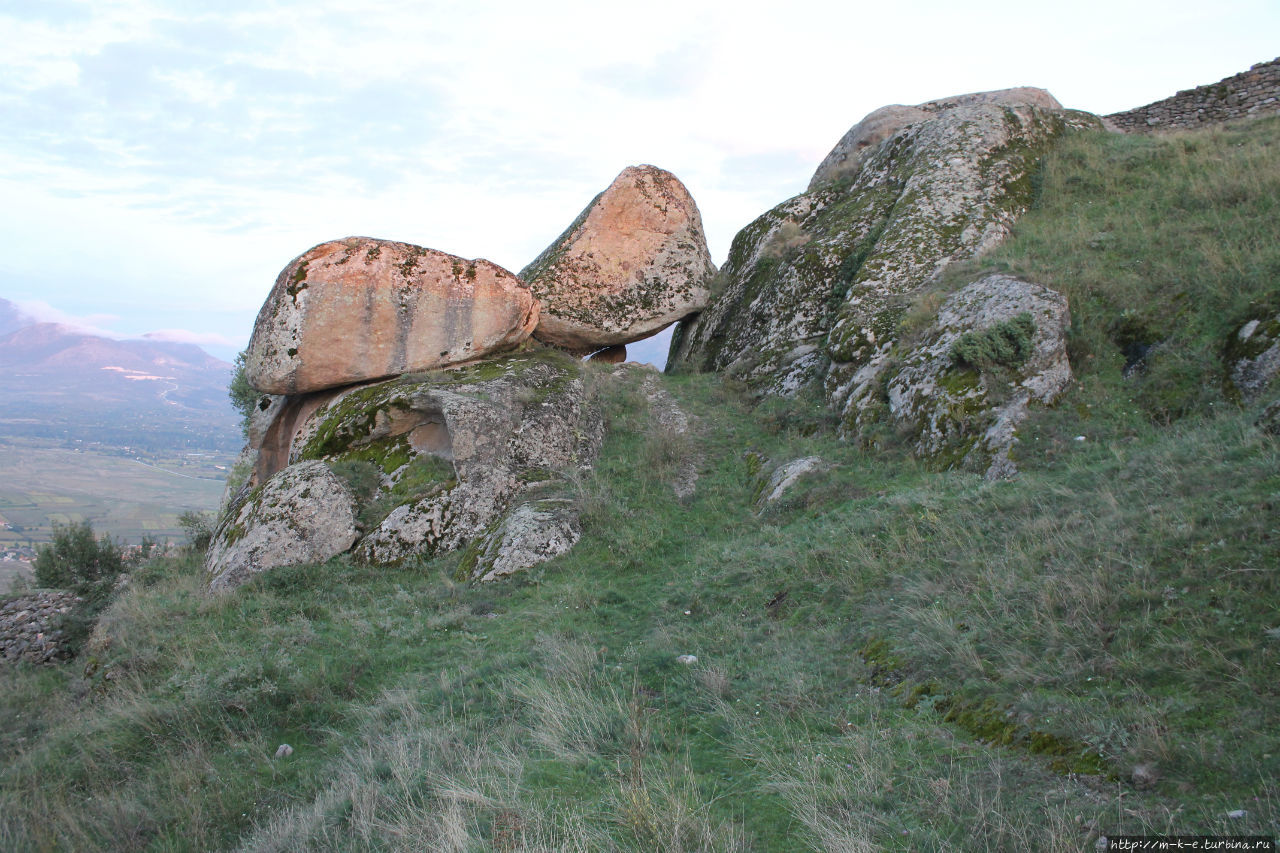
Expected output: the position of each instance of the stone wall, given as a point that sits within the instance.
(1253, 93)
(28, 627)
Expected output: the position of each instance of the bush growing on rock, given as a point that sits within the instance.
(1006, 344)
(199, 528)
(243, 397)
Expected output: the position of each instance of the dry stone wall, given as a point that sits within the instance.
(1253, 93)
(29, 627)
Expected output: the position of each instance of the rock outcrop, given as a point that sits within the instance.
(815, 287)
(30, 629)
(786, 475)
(883, 123)
(504, 427)
(997, 346)
(303, 514)
(532, 533)
(633, 262)
(1253, 357)
(413, 466)
(360, 309)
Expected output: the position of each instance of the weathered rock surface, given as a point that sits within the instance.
(634, 262)
(815, 287)
(532, 533)
(787, 475)
(453, 449)
(883, 123)
(303, 514)
(962, 414)
(1253, 357)
(360, 309)
(29, 631)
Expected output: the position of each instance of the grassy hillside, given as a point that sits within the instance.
(891, 658)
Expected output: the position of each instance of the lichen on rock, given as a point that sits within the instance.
(303, 514)
(532, 533)
(360, 309)
(931, 185)
(432, 458)
(1253, 357)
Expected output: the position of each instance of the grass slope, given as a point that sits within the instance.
(891, 658)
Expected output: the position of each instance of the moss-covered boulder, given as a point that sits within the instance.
(960, 391)
(814, 289)
(1253, 357)
(454, 448)
(428, 461)
(633, 262)
(359, 309)
(303, 514)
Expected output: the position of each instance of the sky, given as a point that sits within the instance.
(162, 160)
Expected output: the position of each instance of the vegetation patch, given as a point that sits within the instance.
(1007, 344)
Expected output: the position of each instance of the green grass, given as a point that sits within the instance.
(431, 715)
(42, 482)
(890, 657)
(1162, 244)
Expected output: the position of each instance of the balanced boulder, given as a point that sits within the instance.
(360, 309)
(634, 262)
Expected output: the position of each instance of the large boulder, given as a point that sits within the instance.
(303, 514)
(443, 455)
(814, 289)
(360, 309)
(963, 388)
(634, 262)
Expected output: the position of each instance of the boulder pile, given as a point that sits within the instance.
(416, 402)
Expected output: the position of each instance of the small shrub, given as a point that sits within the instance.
(199, 528)
(90, 568)
(75, 560)
(243, 395)
(783, 242)
(1006, 344)
(361, 477)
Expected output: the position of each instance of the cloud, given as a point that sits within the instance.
(185, 336)
(676, 72)
(93, 324)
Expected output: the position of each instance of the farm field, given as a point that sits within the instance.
(128, 497)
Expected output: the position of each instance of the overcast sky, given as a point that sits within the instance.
(160, 163)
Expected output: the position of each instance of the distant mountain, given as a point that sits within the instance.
(58, 381)
(11, 317)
